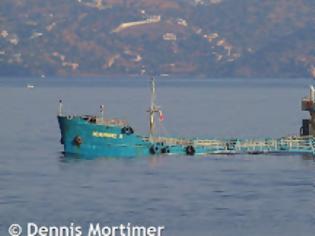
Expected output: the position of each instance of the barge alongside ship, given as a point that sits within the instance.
(96, 136)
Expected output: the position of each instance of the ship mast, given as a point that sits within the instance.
(153, 109)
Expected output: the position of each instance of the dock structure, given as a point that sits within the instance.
(308, 104)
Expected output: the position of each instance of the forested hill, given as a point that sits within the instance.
(212, 38)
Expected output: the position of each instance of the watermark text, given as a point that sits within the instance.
(93, 229)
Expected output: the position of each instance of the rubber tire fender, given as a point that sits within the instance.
(190, 150)
(127, 130)
(77, 140)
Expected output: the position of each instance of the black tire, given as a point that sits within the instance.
(127, 130)
(152, 150)
(77, 140)
(165, 150)
(190, 150)
(131, 130)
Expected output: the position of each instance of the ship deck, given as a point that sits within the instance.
(289, 144)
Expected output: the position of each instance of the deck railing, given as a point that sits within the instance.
(294, 144)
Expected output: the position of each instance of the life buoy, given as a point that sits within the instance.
(127, 130)
(190, 150)
(77, 140)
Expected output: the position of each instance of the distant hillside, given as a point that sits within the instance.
(212, 38)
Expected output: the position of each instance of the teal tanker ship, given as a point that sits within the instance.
(96, 136)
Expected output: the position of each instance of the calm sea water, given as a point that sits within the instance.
(214, 195)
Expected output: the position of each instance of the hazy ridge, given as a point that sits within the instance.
(214, 38)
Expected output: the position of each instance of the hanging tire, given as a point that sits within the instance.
(69, 117)
(127, 130)
(157, 149)
(190, 150)
(152, 150)
(165, 150)
(77, 140)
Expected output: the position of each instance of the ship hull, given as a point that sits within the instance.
(86, 139)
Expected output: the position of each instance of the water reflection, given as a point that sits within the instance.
(213, 195)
